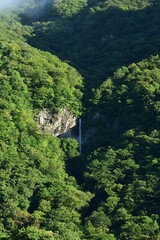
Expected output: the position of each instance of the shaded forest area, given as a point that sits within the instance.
(100, 39)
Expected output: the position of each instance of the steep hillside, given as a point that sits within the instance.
(101, 37)
(124, 173)
(36, 192)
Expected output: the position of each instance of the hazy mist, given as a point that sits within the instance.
(12, 4)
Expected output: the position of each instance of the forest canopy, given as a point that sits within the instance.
(100, 61)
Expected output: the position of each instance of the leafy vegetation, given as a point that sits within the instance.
(51, 83)
(102, 37)
(48, 189)
(36, 193)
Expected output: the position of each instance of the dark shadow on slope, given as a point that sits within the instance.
(98, 43)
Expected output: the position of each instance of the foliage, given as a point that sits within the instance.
(133, 91)
(117, 190)
(68, 8)
(100, 37)
(38, 198)
(129, 178)
(34, 184)
(51, 83)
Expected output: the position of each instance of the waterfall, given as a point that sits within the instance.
(80, 135)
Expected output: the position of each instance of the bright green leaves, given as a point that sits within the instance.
(41, 78)
(38, 198)
(34, 233)
(132, 95)
(140, 228)
(68, 8)
(128, 181)
(124, 5)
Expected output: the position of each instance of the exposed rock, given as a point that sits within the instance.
(56, 124)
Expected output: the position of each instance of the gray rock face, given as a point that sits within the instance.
(56, 124)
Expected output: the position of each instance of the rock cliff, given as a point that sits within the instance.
(56, 124)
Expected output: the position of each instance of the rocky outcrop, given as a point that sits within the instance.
(56, 124)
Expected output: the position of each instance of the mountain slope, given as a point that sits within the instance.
(36, 192)
(101, 37)
(117, 190)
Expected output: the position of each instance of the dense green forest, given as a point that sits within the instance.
(100, 61)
